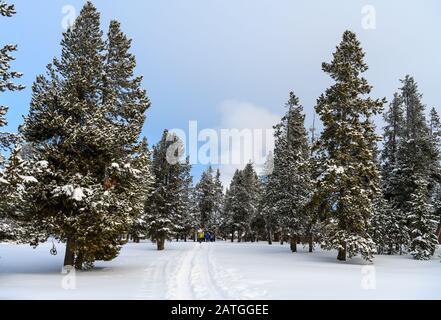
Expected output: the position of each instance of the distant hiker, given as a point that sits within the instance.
(201, 236)
(207, 236)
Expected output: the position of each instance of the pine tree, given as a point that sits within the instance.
(84, 122)
(435, 127)
(252, 192)
(8, 227)
(388, 231)
(7, 78)
(205, 197)
(268, 198)
(435, 133)
(389, 223)
(191, 220)
(416, 155)
(186, 201)
(235, 206)
(13, 182)
(226, 225)
(166, 205)
(422, 223)
(218, 200)
(394, 119)
(349, 179)
(142, 186)
(290, 179)
(241, 202)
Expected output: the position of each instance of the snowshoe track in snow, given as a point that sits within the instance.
(199, 276)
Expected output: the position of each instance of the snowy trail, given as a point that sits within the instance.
(200, 276)
(193, 278)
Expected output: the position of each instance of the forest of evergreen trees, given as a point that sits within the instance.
(79, 171)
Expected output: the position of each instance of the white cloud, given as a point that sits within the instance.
(246, 117)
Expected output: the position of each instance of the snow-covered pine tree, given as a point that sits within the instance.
(191, 220)
(252, 191)
(227, 227)
(416, 155)
(349, 179)
(291, 179)
(165, 206)
(142, 183)
(218, 200)
(13, 182)
(435, 127)
(241, 202)
(6, 80)
(268, 198)
(435, 132)
(205, 197)
(388, 231)
(394, 118)
(210, 197)
(84, 123)
(236, 198)
(422, 223)
(7, 77)
(185, 206)
(389, 223)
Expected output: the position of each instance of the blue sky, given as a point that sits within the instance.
(198, 56)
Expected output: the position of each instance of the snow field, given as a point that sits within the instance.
(221, 270)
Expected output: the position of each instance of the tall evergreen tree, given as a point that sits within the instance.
(349, 179)
(166, 205)
(394, 119)
(13, 182)
(84, 122)
(389, 223)
(241, 202)
(416, 154)
(252, 191)
(141, 188)
(191, 221)
(186, 201)
(422, 223)
(227, 227)
(417, 157)
(205, 197)
(389, 231)
(291, 179)
(435, 133)
(218, 200)
(7, 78)
(268, 198)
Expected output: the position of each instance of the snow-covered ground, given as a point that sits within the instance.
(220, 270)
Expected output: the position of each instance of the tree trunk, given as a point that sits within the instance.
(79, 262)
(69, 256)
(293, 244)
(270, 238)
(160, 243)
(232, 236)
(342, 253)
(311, 244)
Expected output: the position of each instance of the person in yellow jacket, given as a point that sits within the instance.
(201, 236)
